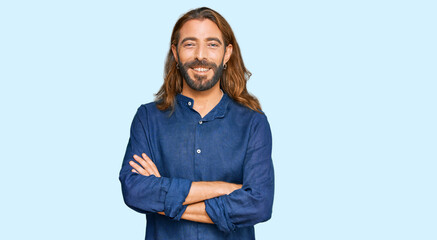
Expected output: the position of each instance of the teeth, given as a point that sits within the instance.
(201, 69)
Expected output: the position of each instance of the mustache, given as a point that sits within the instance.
(200, 63)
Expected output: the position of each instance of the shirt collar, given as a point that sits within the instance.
(217, 112)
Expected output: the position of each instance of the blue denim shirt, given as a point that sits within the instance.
(231, 143)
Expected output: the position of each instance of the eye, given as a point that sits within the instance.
(188, 44)
(214, 45)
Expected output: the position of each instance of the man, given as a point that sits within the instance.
(198, 162)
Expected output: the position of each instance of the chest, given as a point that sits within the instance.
(200, 151)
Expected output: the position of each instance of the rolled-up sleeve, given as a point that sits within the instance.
(147, 194)
(254, 201)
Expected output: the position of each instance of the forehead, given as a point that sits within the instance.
(200, 29)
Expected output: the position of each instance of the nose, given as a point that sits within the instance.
(201, 52)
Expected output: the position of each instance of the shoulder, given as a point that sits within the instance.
(149, 110)
(246, 114)
(255, 123)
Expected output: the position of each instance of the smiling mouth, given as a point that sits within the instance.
(200, 69)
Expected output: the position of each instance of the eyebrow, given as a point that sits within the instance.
(208, 39)
(214, 39)
(189, 39)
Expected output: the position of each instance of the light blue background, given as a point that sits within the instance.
(349, 88)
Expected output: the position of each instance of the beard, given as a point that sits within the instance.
(200, 82)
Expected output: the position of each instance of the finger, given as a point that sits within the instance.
(135, 171)
(144, 164)
(148, 165)
(152, 164)
(139, 169)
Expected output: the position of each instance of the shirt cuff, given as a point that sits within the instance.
(176, 195)
(216, 210)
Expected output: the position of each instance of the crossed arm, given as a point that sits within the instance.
(199, 191)
(229, 206)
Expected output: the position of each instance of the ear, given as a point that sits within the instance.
(174, 50)
(228, 53)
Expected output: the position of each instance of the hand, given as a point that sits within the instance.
(147, 167)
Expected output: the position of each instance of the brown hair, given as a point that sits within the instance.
(234, 78)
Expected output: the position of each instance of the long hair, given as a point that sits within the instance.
(234, 78)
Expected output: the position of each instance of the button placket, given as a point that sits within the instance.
(198, 150)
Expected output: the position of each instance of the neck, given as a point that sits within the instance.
(204, 101)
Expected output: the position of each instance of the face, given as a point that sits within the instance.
(201, 54)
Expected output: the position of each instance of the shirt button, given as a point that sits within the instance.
(198, 151)
(200, 122)
(189, 103)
